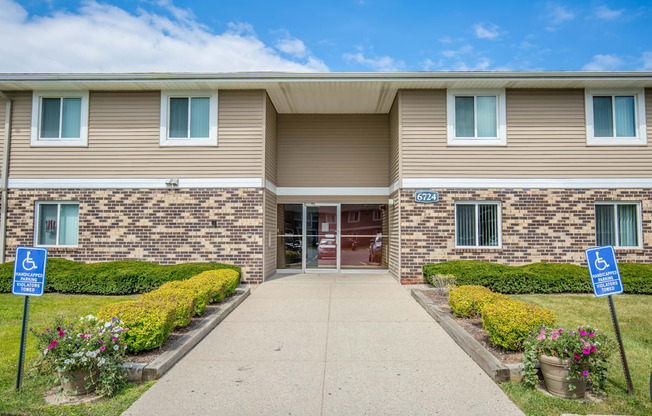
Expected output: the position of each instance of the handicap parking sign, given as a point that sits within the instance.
(29, 271)
(605, 275)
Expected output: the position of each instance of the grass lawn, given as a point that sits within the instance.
(635, 317)
(43, 309)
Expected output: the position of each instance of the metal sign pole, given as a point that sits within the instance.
(23, 341)
(614, 318)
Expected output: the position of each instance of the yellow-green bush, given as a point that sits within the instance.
(509, 322)
(223, 282)
(184, 303)
(469, 301)
(149, 323)
(199, 291)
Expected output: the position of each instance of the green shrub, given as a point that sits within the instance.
(537, 277)
(149, 323)
(509, 322)
(183, 300)
(110, 278)
(223, 282)
(200, 292)
(469, 301)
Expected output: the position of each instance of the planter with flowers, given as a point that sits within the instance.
(570, 361)
(85, 353)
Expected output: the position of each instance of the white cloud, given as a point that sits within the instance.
(294, 47)
(647, 60)
(380, 63)
(482, 64)
(558, 14)
(605, 13)
(104, 38)
(603, 63)
(483, 31)
(464, 50)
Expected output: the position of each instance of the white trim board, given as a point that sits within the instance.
(553, 183)
(332, 191)
(131, 183)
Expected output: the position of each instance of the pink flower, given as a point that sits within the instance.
(50, 347)
(102, 348)
(62, 334)
(577, 356)
(540, 337)
(583, 332)
(587, 351)
(114, 338)
(99, 340)
(592, 348)
(591, 334)
(586, 373)
(54, 343)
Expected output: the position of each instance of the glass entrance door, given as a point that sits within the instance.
(322, 237)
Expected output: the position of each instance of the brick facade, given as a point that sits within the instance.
(538, 225)
(165, 226)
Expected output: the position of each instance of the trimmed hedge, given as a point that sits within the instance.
(149, 323)
(469, 301)
(110, 278)
(509, 322)
(537, 277)
(151, 318)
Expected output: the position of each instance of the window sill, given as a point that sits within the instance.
(615, 141)
(479, 249)
(59, 248)
(188, 142)
(473, 141)
(629, 249)
(59, 143)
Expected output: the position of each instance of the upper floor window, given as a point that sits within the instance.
(57, 223)
(477, 117)
(188, 118)
(477, 224)
(615, 117)
(618, 224)
(60, 118)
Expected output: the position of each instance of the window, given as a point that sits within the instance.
(377, 215)
(618, 224)
(60, 118)
(188, 118)
(477, 224)
(354, 216)
(57, 224)
(477, 117)
(615, 117)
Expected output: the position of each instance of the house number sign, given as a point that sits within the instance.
(426, 197)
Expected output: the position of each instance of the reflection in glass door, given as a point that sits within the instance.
(321, 236)
(364, 230)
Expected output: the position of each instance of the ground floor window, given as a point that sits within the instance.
(57, 223)
(617, 224)
(477, 224)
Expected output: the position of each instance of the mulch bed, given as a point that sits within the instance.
(474, 327)
(149, 356)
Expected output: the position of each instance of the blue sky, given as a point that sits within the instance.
(357, 35)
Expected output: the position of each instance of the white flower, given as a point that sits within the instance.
(84, 359)
(45, 351)
(115, 347)
(107, 324)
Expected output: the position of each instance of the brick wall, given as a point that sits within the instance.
(158, 225)
(538, 225)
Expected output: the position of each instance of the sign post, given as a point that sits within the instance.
(606, 280)
(29, 280)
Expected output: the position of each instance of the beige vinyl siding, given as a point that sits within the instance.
(333, 150)
(270, 243)
(394, 160)
(546, 138)
(648, 113)
(270, 140)
(394, 236)
(123, 141)
(3, 109)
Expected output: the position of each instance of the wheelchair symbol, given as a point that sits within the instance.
(600, 264)
(30, 262)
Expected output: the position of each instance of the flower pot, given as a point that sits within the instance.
(76, 381)
(555, 374)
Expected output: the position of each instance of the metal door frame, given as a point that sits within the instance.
(304, 234)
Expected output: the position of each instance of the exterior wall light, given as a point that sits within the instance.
(172, 183)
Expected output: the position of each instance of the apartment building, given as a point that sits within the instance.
(281, 172)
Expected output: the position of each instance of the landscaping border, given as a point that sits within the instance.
(498, 371)
(139, 372)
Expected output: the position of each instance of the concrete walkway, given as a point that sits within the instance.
(326, 344)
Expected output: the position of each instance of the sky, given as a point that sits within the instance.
(321, 36)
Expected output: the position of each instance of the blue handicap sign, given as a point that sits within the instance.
(603, 267)
(29, 271)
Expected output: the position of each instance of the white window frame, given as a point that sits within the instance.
(477, 224)
(639, 217)
(37, 218)
(501, 118)
(211, 140)
(37, 99)
(377, 215)
(639, 122)
(354, 216)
